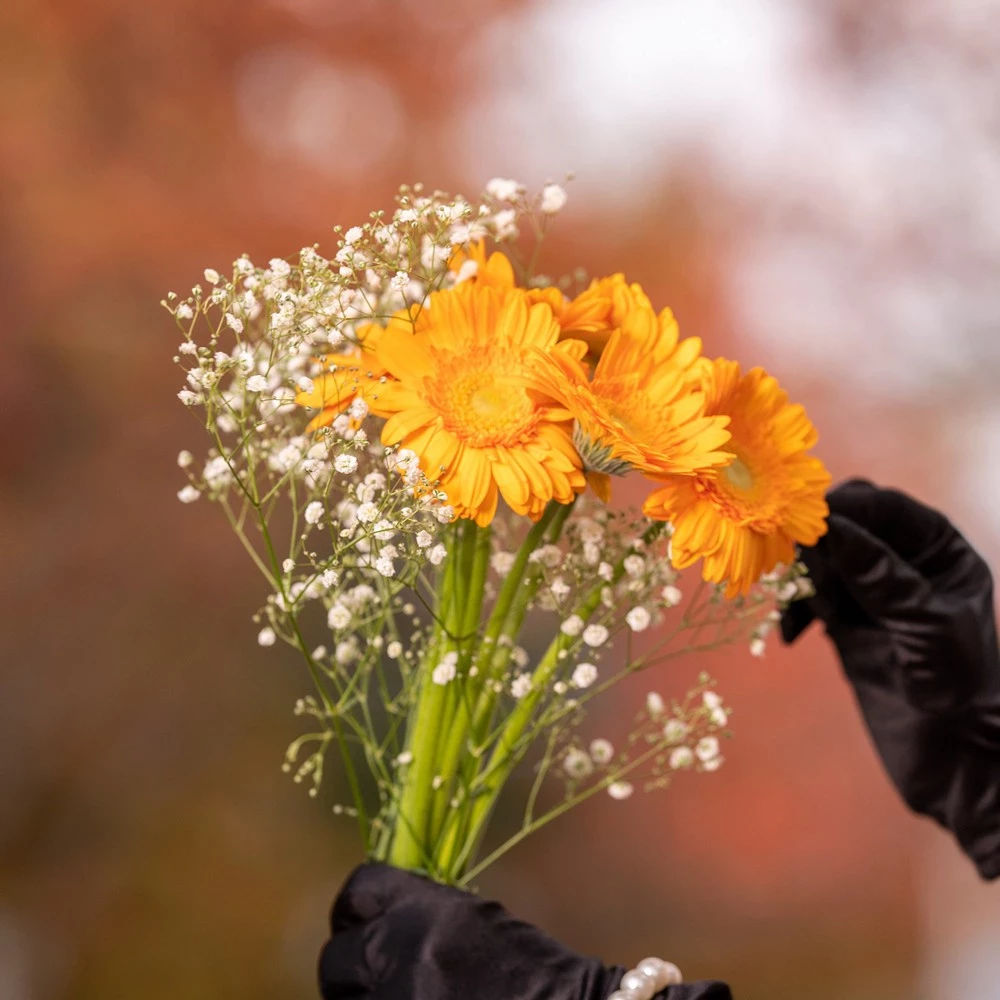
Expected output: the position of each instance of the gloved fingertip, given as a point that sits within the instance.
(812, 556)
(875, 575)
(852, 498)
(795, 619)
(367, 892)
(906, 525)
(343, 970)
(816, 558)
(849, 548)
(856, 484)
(988, 867)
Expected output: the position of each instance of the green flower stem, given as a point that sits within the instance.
(508, 589)
(509, 749)
(487, 786)
(274, 576)
(492, 656)
(477, 582)
(498, 653)
(478, 738)
(458, 719)
(409, 844)
(455, 601)
(536, 824)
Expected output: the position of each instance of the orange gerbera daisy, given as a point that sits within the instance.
(460, 398)
(642, 409)
(600, 310)
(747, 517)
(494, 269)
(591, 317)
(344, 378)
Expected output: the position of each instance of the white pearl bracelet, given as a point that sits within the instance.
(649, 977)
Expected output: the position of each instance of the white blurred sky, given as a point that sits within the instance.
(876, 187)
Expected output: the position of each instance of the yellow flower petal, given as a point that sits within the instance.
(644, 406)
(745, 518)
(464, 402)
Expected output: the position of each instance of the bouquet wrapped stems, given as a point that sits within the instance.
(415, 443)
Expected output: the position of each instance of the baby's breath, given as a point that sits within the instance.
(392, 601)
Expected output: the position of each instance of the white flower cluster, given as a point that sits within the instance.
(609, 579)
(679, 737)
(610, 551)
(261, 329)
(358, 547)
(334, 521)
(782, 586)
(508, 200)
(357, 522)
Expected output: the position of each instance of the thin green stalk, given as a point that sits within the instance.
(352, 777)
(505, 622)
(456, 601)
(543, 770)
(458, 722)
(408, 848)
(487, 786)
(528, 828)
(500, 653)
(508, 588)
(507, 752)
(477, 581)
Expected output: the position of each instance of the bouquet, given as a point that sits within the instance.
(416, 441)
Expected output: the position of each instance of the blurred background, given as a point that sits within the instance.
(814, 187)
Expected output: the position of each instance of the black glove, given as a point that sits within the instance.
(398, 936)
(909, 605)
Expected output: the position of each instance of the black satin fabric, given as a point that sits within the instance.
(398, 936)
(908, 603)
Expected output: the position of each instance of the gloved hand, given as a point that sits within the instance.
(398, 936)
(908, 604)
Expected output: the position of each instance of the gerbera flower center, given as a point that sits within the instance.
(751, 490)
(739, 475)
(746, 517)
(633, 415)
(485, 406)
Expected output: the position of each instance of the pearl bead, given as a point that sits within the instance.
(662, 973)
(673, 974)
(639, 983)
(624, 995)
